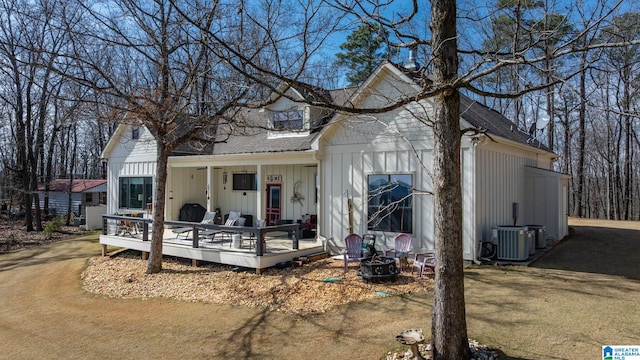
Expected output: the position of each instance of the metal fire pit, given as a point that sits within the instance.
(378, 268)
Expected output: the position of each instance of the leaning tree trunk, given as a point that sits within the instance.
(449, 327)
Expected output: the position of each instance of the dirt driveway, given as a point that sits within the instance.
(580, 296)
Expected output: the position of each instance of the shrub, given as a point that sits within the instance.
(52, 226)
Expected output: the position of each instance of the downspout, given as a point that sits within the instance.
(477, 253)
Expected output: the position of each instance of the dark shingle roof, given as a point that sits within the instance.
(247, 134)
(494, 123)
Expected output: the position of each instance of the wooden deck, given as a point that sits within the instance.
(276, 247)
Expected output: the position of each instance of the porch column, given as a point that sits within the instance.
(320, 205)
(261, 186)
(209, 187)
(168, 200)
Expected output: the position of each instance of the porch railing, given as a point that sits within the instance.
(129, 225)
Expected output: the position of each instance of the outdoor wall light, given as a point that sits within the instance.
(224, 178)
(170, 194)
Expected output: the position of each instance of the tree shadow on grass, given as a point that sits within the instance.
(82, 247)
(598, 250)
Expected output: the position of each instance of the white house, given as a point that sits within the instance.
(305, 160)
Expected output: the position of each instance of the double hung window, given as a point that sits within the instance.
(390, 202)
(287, 120)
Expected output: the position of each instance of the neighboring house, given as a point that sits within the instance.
(304, 160)
(83, 193)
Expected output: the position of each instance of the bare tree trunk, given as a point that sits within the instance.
(550, 101)
(48, 175)
(626, 188)
(449, 327)
(21, 144)
(154, 264)
(29, 152)
(618, 171)
(582, 116)
(71, 173)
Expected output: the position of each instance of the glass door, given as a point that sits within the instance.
(273, 203)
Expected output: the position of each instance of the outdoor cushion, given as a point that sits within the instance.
(234, 215)
(208, 218)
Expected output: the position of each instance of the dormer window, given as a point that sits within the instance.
(288, 120)
(135, 132)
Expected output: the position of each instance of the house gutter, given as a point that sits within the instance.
(277, 158)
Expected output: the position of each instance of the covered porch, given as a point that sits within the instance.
(279, 189)
(260, 247)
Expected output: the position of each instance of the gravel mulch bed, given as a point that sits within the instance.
(299, 290)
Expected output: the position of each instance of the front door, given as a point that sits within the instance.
(274, 192)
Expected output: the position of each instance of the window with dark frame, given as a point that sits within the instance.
(135, 192)
(390, 203)
(135, 132)
(245, 181)
(287, 120)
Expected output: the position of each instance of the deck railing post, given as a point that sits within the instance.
(294, 234)
(145, 231)
(260, 243)
(195, 237)
(104, 225)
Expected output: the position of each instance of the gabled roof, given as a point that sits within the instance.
(485, 118)
(248, 134)
(474, 113)
(77, 186)
(309, 93)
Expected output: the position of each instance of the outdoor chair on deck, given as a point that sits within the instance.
(126, 227)
(239, 222)
(424, 260)
(213, 233)
(254, 236)
(401, 249)
(208, 218)
(353, 251)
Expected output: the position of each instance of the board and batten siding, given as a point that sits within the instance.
(390, 143)
(129, 158)
(546, 201)
(469, 219)
(306, 174)
(345, 176)
(397, 142)
(499, 183)
(189, 185)
(124, 169)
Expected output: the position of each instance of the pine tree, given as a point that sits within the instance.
(363, 51)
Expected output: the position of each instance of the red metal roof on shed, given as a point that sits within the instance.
(80, 185)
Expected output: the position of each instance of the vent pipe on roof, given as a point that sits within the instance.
(412, 64)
